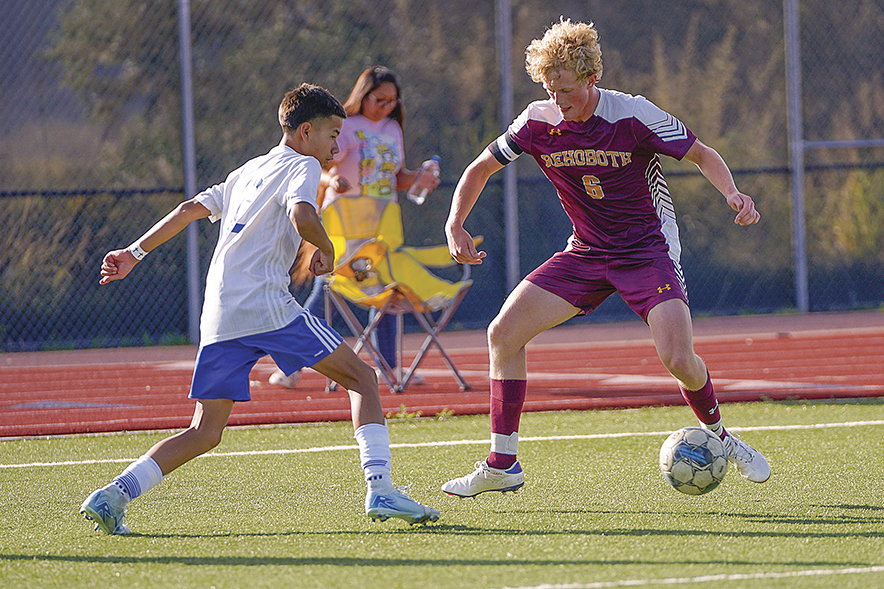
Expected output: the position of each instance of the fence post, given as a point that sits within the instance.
(503, 28)
(792, 39)
(188, 157)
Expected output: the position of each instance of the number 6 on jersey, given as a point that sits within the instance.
(593, 187)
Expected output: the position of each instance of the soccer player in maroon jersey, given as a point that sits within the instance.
(601, 150)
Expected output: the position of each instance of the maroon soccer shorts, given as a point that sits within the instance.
(586, 280)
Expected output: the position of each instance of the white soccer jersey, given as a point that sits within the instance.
(247, 284)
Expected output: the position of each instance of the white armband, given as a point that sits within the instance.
(135, 250)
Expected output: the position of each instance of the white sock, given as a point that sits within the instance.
(139, 477)
(501, 444)
(375, 456)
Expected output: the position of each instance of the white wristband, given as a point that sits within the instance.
(137, 252)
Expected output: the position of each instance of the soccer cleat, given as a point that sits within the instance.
(485, 478)
(106, 507)
(279, 378)
(383, 506)
(748, 461)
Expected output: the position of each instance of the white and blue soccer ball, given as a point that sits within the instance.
(693, 460)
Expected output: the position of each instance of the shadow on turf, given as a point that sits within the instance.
(758, 518)
(385, 562)
(831, 520)
(461, 530)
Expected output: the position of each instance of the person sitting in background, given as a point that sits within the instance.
(371, 163)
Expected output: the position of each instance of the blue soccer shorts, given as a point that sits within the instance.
(222, 368)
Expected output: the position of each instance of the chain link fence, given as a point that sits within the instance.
(90, 140)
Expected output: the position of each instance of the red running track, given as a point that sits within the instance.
(594, 366)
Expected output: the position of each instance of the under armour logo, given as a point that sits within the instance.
(660, 289)
(555, 131)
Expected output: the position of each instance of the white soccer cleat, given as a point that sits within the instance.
(383, 506)
(748, 461)
(280, 379)
(106, 507)
(484, 479)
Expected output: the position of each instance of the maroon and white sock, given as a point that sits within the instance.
(507, 399)
(705, 406)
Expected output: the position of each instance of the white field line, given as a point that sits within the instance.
(709, 578)
(599, 378)
(607, 379)
(452, 443)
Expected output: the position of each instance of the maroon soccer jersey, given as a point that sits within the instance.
(606, 170)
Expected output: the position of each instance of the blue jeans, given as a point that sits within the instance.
(383, 338)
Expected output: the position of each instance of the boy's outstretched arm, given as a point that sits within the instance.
(469, 187)
(716, 171)
(117, 264)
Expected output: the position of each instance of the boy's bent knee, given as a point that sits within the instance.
(684, 367)
(499, 333)
(366, 376)
(362, 378)
(210, 438)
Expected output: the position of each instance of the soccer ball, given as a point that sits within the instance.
(693, 460)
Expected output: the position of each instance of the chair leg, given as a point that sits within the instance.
(432, 339)
(437, 328)
(400, 326)
(390, 375)
(433, 329)
(330, 385)
(362, 339)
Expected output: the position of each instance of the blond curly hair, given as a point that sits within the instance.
(565, 46)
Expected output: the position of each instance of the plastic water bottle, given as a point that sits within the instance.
(415, 193)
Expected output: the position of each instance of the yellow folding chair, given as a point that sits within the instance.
(374, 269)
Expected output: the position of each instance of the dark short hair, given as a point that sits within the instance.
(305, 103)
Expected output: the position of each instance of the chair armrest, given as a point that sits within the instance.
(435, 256)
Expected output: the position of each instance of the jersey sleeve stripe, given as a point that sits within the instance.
(669, 129)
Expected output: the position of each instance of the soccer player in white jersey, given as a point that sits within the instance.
(601, 150)
(266, 207)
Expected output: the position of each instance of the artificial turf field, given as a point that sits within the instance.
(283, 507)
